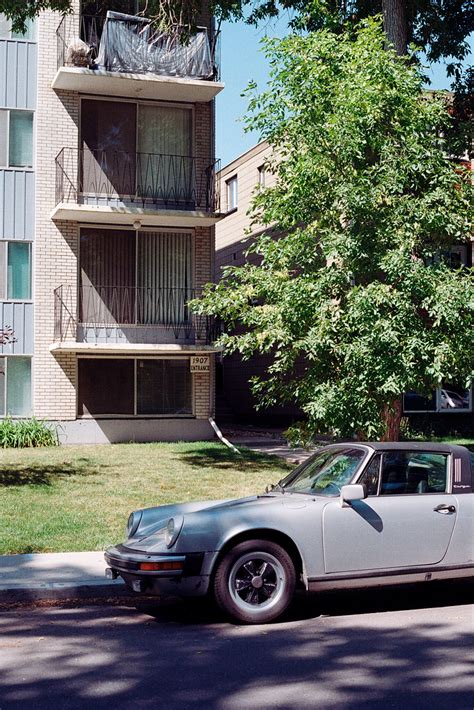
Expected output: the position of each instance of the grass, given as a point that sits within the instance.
(78, 498)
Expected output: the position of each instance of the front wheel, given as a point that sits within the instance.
(255, 581)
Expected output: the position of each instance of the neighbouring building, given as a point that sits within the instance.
(238, 181)
(107, 212)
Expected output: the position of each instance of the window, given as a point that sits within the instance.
(16, 139)
(135, 386)
(326, 473)
(413, 472)
(445, 399)
(6, 32)
(142, 278)
(261, 175)
(370, 477)
(134, 149)
(163, 387)
(19, 271)
(15, 386)
(15, 271)
(231, 186)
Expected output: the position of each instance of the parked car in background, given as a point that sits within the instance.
(353, 515)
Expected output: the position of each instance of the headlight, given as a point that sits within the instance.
(173, 529)
(133, 522)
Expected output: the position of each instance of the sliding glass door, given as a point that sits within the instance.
(131, 150)
(136, 278)
(165, 166)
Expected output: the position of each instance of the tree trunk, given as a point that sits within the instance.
(395, 19)
(392, 416)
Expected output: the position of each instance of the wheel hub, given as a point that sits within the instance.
(257, 582)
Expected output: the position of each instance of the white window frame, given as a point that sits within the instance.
(6, 357)
(7, 166)
(10, 37)
(232, 195)
(5, 245)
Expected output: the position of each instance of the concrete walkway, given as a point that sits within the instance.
(55, 575)
(71, 575)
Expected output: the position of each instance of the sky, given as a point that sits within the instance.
(242, 61)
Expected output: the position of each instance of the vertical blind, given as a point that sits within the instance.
(152, 288)
(164, 276)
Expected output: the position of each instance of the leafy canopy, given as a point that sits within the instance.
(440, 27)
(354, 301)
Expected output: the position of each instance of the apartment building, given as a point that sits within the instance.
(238, 182)
(107, 214)
(448, 408)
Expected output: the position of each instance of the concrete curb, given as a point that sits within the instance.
(63, 592)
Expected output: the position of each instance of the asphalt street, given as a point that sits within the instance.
(409, 647)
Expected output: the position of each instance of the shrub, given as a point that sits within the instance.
(26, 433)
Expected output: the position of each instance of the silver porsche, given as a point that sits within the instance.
(353, 515)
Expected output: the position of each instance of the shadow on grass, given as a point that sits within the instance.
(12, 474)
(225, 459)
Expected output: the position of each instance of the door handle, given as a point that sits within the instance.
(442, 508)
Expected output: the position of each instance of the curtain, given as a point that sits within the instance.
(19, 386)
(107, 276)
(21, 139)
(164, 277)
(165, 164)
(19, 271)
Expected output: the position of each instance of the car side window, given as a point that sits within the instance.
(370, 477)
(411, 472)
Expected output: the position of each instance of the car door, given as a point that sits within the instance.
(406, 521)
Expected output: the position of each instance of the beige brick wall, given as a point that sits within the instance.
(56, 244)
(232, 228)
(56, 253)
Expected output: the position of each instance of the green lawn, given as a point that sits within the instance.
(79, 497)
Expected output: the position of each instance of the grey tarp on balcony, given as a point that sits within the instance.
(130, 44)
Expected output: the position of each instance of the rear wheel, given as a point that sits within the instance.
(255, 581)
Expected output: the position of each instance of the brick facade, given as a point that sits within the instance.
(54, 378)
(57, 242)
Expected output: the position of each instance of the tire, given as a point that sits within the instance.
(255, 581)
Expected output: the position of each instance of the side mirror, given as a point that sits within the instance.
(355, 491)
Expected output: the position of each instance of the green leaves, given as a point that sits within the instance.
(352, 296)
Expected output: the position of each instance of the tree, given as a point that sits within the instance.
(440, 27)
(355, 304)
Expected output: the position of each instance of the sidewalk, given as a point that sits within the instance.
(81, 575)
(55, 575)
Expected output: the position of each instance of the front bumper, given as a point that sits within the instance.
(187, 581)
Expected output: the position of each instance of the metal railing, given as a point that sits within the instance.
(106, 177)
(129, 314)
(141, 50)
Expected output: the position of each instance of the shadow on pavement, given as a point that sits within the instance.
(189, 657)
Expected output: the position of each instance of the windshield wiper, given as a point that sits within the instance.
(274, 487)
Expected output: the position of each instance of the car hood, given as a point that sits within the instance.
(154, 520)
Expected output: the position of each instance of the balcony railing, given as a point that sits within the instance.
(115, 178)
(123, 314)
(125, 43)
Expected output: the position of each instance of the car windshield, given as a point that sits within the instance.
(324, 474)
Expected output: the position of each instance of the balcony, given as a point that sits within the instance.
(141, 189)
(123, 55)
(113, 319)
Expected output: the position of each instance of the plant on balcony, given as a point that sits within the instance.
(355, 303)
